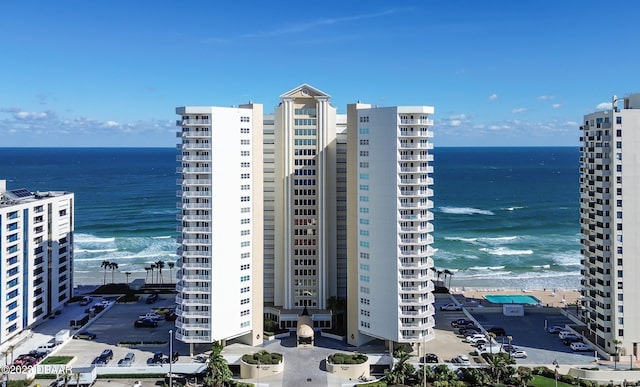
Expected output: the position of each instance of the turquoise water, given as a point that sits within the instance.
(512, 299)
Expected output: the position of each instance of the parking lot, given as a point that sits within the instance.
(527, 333)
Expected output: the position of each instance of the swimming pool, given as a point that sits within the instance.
(512, 299)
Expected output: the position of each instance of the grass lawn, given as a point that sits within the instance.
(541, 381)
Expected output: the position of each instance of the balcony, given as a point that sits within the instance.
(427, 157)
(193, 194)
(423, 264)
(195, 254)
(192, 289)
(201, 182)
(193, 326)
(416, 289)
(417, 193)
(192, 301)
(188, 158)
(415, 313)
(193, 170)
(417, 276)
(417, 241)
(418, 301)
(416, 133)
(193, 206)
(417, 228)
(193, 229)
(423, 181)
(195, 242)
(419, 121)
(427, 204)
(192, 218)
(193, 146)
(193, 265)
(193, 121)
(185, 337)
(415, 217)
(415, 145)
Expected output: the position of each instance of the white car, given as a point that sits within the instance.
(461, 359)
(578, 347)
(519, 354)
(562, 335)
(451, 307)
(474, 338)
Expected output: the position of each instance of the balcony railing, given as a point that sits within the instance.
(197, 326)
(416, 145)
(193, 121)
(185, 337)
(192, 301)
(427, 157)
(418, 121)
(416, 133)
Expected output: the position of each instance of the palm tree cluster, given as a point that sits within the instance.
(446, 273)
(156, 271)
(218, 372)
(106, 265)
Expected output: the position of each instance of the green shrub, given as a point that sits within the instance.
(128, 298)
(377, 383)
(262, 357)
(345, 358)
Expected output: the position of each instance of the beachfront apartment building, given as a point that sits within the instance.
(309, 229)
(36, 257)
(220, 267)
(389, 224)
(610, 224)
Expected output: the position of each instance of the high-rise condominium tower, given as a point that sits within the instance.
(610, 225)
(389, 224)
(36, 251)
(220, 265)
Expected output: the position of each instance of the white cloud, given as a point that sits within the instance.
(545, 97)
(556, 105)
(604, 106)
(110, 124)
(493, 97)
(458, 117)
(519, 110)
(455, 122)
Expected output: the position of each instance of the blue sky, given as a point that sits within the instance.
(499, 73)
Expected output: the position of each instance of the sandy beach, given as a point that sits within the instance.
(548, 297)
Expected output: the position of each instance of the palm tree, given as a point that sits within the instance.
(171, 265)
(76, 376)
(153, 269)
(218, 373)
(160, 266)
(616, 343)
(105, 266)
(147, 269)
(113, 266)
(127, 273)
(449, 273)
(402, 370)
(66, 374)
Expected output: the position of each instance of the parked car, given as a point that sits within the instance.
(145, 323)
(461, 322)
(579, 347)
(431, 358)
(498, 331)
(469, 330)
(461, 359)
(152, 298)
(508, 348)
(159, 358)
(151, 316)
(86, 300)
(475, 338)
(86, 335)
(171, 316)
(564, 334)
(104, 358)
(451, 307)
(520, 354)
(555, 329)
(569, 339)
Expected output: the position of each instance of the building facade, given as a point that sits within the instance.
(610, 223)
(389, 224)
(36, 256)
(220, 267)
(300, 207)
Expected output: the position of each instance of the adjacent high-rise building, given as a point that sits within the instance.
(610, 223)
(220, 268)
(36, 251)
(389, 224)
(339, 204)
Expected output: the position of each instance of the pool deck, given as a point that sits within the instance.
(547, 297)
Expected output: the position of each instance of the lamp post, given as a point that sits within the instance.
(509, 338)
(170, 357)
(615, 359)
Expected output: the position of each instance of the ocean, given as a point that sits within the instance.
(504, 217)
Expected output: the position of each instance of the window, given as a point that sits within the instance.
(364, 130)
(619, 122)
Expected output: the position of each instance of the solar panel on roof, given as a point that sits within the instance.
(21, 193)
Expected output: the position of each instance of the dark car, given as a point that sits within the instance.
(86, 335)
(145, 323)
(159, 358)
(171, 316)
(498, 331)
(104, 358)
(469, 330)
(461, 322)
(430, 358)
(571, 339)
(152, 298)
(38, 354)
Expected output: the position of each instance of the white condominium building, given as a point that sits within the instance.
(220, 276)
(389, 224)
(36, 251)
(610, 225)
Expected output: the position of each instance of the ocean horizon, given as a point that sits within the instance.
(504, 217)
